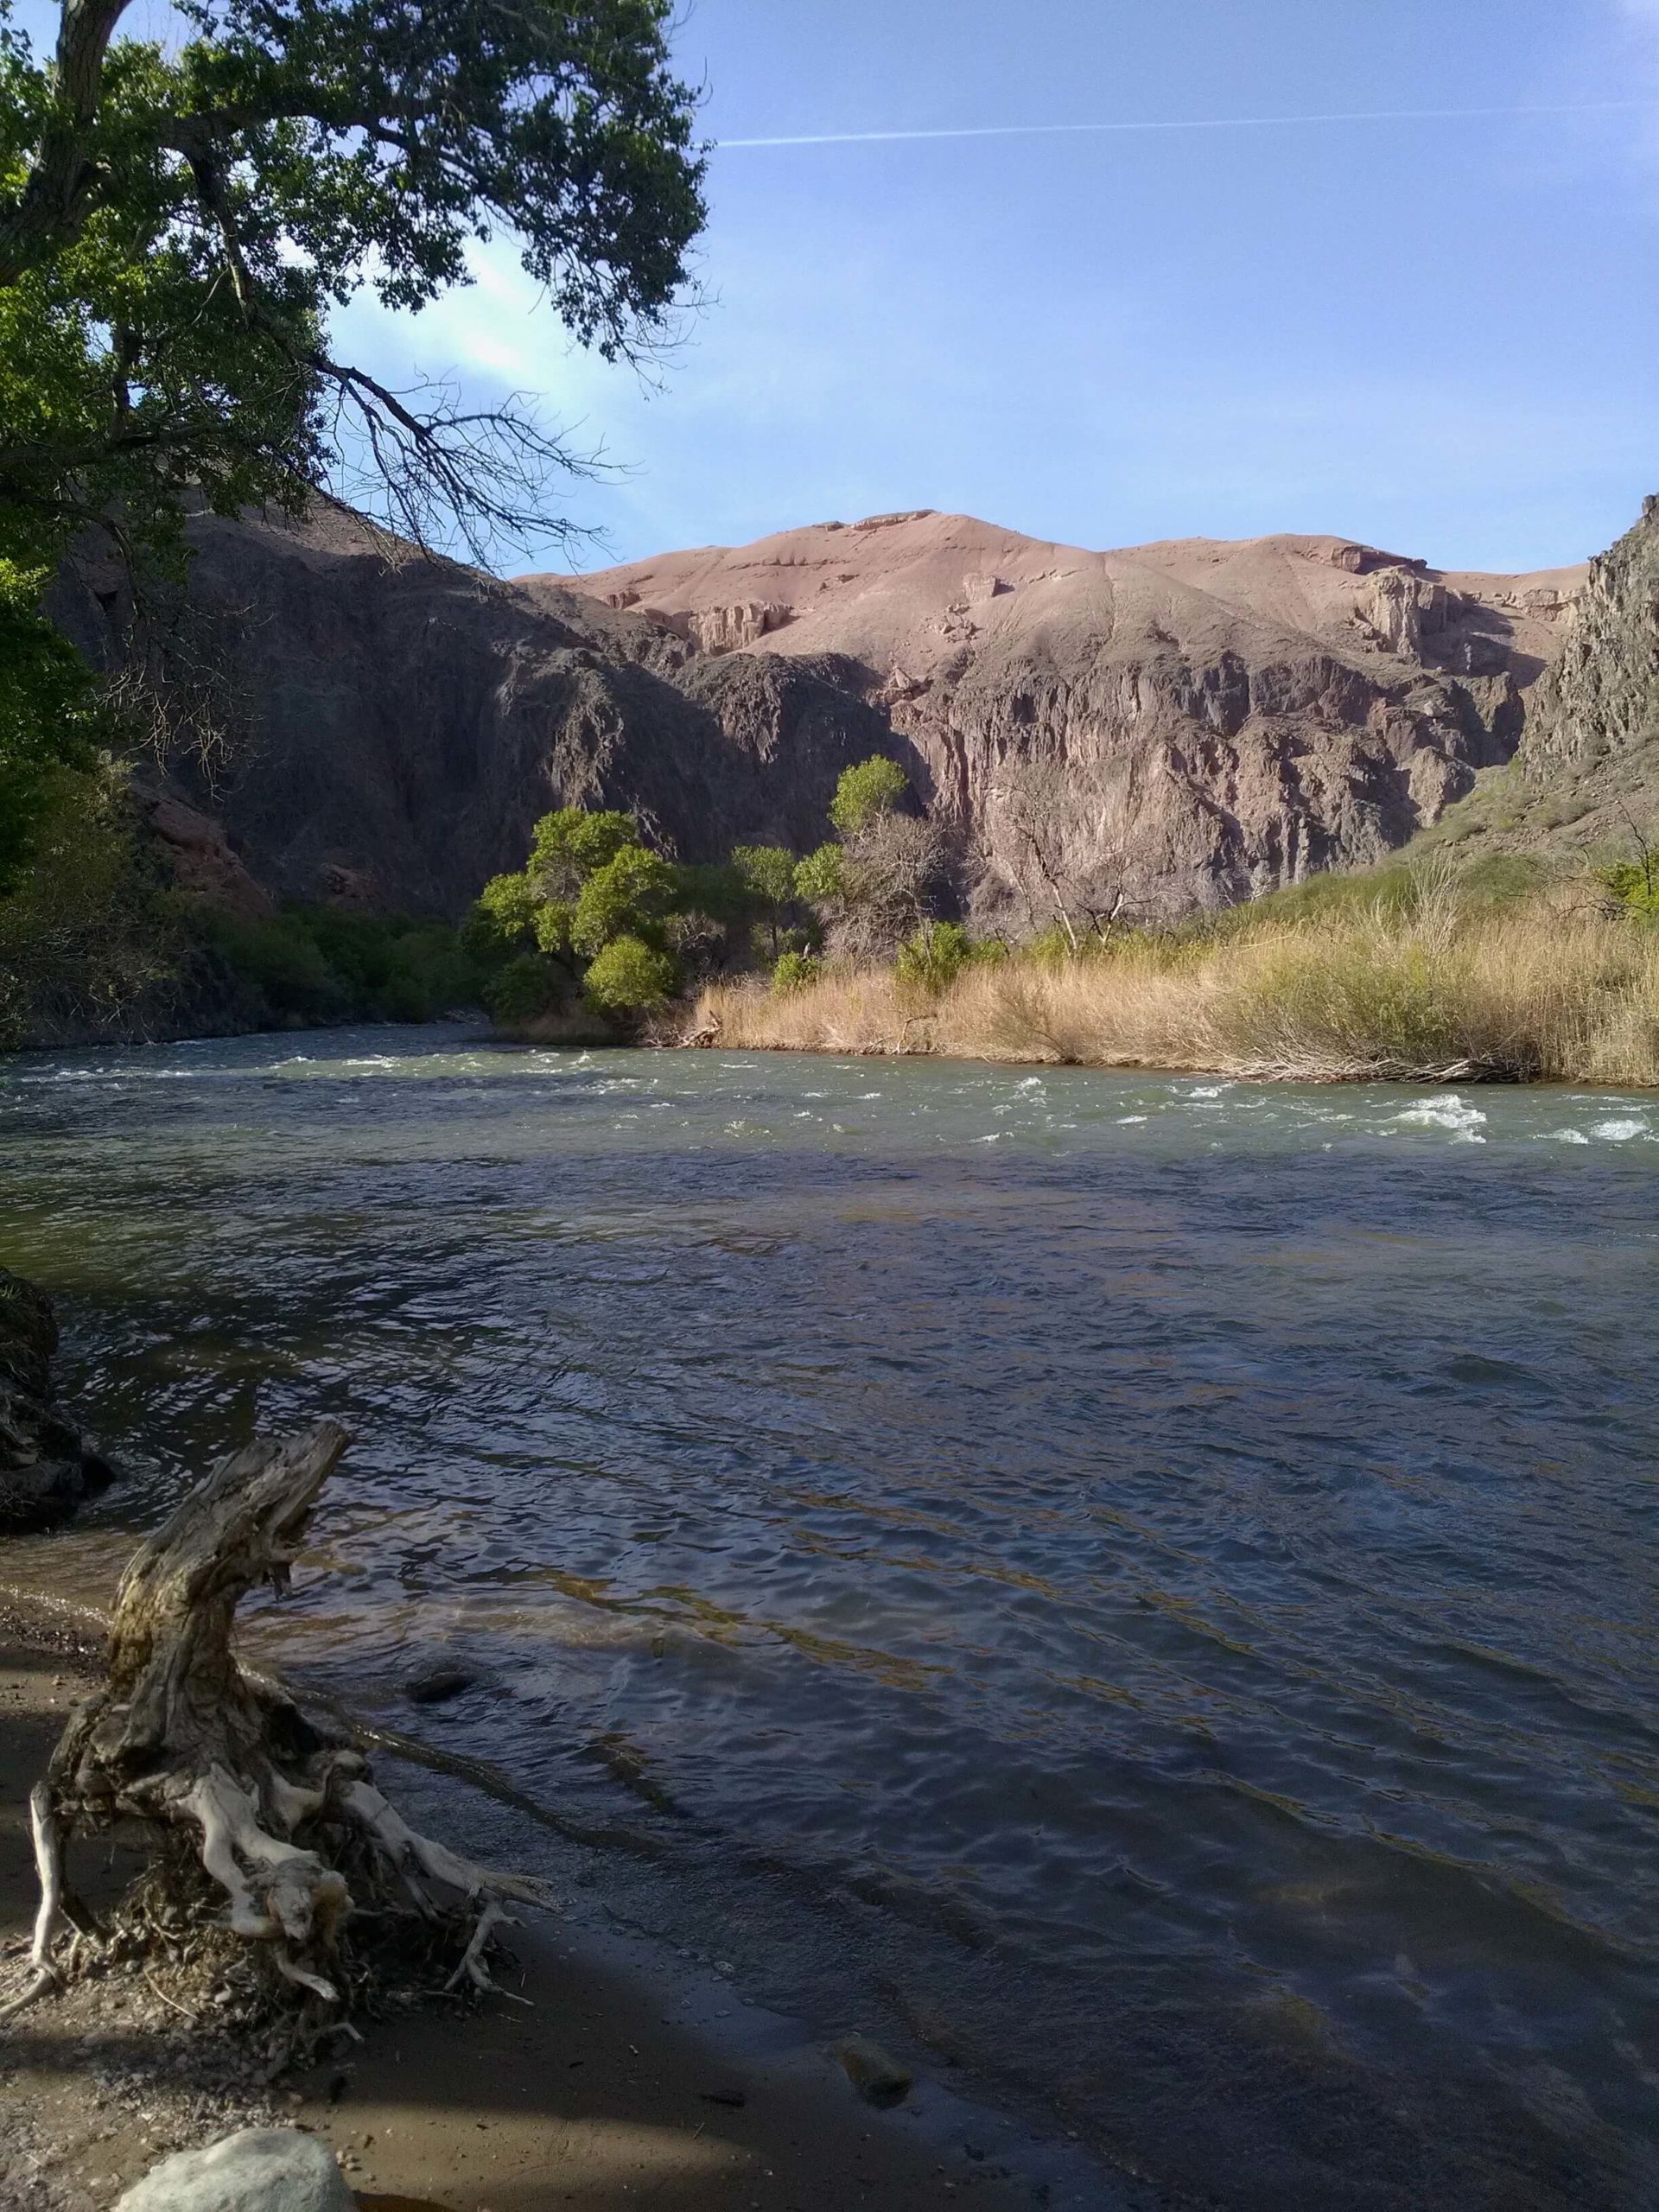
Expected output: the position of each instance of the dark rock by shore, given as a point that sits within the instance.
(46, 1467)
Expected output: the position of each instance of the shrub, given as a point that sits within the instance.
(795, 971)
(629, 976)
(820, 877)
(935, 956)
(863, 793)
(1635, 884)
(524, 989)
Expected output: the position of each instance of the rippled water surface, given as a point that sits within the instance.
(1149, 1580)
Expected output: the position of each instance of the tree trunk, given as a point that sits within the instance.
(180, 1737)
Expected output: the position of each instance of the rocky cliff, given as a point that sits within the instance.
(1175, 726)
(1585, 776)
(397, 724)
(1598, 707)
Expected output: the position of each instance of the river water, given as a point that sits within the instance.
(1142, 1585)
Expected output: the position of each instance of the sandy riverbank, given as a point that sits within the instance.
(597, 2094)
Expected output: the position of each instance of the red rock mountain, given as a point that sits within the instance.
(1185, 723)
(1175, 726)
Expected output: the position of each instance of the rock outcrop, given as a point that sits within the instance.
(1599, 705)
(1174, 726)
(46, 1466)
(404, 722)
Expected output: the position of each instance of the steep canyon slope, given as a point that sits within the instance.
(1174, 726)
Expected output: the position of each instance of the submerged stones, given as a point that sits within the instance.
(46, 1466)
(875, 2073)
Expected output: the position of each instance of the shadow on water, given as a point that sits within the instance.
(1146, 1585)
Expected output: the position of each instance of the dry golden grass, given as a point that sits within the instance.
(1557, 989)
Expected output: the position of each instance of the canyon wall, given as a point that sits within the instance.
(1171, 728)
(1174, 726)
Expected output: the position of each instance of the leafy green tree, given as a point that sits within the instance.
(570, 844)
(506, 911)
(628, 976)
(820, 877)
(177, 224)
(48, 716)
(768, 874)
(863, 794)
(629, 896)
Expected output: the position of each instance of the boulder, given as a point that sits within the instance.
(262, 2170)
(46, 1465)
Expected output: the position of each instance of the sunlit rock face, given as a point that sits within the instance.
(1170, 728)
(1599, 703)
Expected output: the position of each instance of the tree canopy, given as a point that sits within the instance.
(176, 224)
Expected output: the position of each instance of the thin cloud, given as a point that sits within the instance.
(1644, 10)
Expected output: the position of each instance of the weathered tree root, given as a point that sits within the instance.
(182, 1738)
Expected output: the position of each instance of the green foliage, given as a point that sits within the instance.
(523, 990)
(769, 872)
(47, 719)
(324, 964)
(569, 846)
(795, 971)
(864, 793)
(628, 976)
(1635, 884)
(91, 932)
(504, 917)
(935, 956)
(716, 889)
(173, 240)
(629, 897)
(820, 877)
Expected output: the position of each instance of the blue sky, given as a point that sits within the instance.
(1441, 336)
(1438, 334)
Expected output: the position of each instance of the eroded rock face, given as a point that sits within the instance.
(1597, 710)
(46, 1466)
(1176, 726)
(407, 720)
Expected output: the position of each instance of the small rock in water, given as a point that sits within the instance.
(875, 2074)
(432, 1685)
(260, 2169)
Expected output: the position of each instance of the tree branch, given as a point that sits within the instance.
(62, 179)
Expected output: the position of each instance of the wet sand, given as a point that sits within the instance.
(599, 2092)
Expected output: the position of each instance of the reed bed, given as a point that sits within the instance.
(1558, 989)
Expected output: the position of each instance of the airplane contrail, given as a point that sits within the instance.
(1193, 123)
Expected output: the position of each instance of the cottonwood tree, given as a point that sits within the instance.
(179, 221)
(177, 226)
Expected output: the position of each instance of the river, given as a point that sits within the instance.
(1143, 1585)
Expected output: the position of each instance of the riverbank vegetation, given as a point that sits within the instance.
(599, 928)
(1403, 973)
(98, 945)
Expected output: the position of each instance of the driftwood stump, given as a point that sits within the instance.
(279, 1811)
